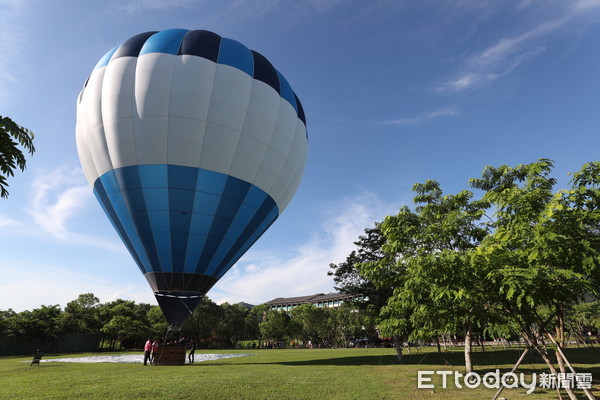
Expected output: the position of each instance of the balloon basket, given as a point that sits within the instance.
(171, 354)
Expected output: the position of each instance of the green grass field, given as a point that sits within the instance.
(275, 374)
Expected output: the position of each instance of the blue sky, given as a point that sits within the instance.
(395, 92)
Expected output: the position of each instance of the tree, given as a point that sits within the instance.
(349, 279)
(232, 323)
(440, 291)
(544, 252)
(83, 314)
(388, 273)
(158, 322)
(371, 272)
(11, 156)
(583, 318)
(275, 325)
(40, 325)
(309, 322)
(349, 323)
(203, 322)
(121, 327)
(6, 323)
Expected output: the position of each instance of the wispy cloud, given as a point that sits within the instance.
(58, 198)
(508, 53)
(135, 6)
(7, 222)
(260, 277)
(422, 118)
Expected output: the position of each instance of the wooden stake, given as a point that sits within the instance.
(589, 395)
(514, 368)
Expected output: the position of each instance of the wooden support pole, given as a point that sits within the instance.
(514, 368)
(589, 394)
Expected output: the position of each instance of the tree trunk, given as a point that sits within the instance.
(480, 337)
(399, 349)
(437, 341)
(541, 349)
(468, 347)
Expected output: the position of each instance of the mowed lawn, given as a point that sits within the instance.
(275, 374)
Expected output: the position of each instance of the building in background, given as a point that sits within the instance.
(319, 300)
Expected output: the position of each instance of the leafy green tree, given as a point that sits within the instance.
(349, 323)
(275, 326)
(388, 273)
(121, 327)
(349, 279)
(40, 325)
(203, 322)
(11, 156)
(232, 324)
(157, 321)
(543, 254)
(6, 323)
(583, 318)
(309, 322)
(256, 316)
(83, 314)
(440, 288)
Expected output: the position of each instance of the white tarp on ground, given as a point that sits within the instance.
(136, 358)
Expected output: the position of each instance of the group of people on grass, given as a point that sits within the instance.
(151, 349)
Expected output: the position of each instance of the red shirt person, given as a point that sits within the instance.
(147, 350)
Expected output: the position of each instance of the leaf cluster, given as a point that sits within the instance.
(12, 136)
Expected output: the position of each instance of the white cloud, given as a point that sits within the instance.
(260, 277)
(508, 53)
(58, 198)
(423, 118)
(7, 222)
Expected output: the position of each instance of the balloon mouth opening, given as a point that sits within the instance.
(177, 296)
(177, 306)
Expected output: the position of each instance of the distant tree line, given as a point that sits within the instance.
(127, 324)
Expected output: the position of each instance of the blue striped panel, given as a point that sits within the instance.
(132, 46)
(104, 60)
(265, 216)
(167, 41)
(199, 221)
(232, 52)
(286, 91)
(264, 71)
(102, 197)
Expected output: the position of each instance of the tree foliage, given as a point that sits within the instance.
(12, 137)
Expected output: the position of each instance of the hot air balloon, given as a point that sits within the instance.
(193, 145)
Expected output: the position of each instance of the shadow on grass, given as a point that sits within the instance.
(584, 360)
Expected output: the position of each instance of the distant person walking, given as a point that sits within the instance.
(192, 350)
(147, 350)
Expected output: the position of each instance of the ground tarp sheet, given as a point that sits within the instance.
(136, 358)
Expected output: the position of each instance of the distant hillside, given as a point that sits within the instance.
(246, 305)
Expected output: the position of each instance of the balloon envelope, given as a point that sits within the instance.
(193, 145)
